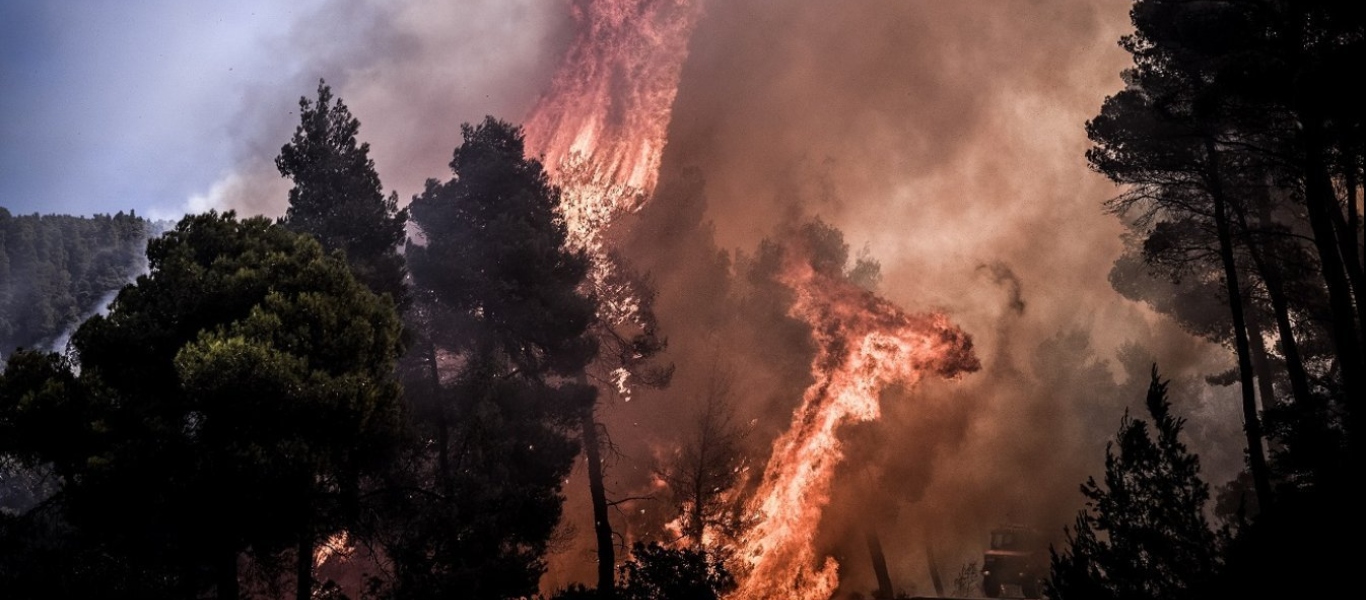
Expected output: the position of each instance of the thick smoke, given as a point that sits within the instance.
(412, 71)
(948, 140)
(945, 138)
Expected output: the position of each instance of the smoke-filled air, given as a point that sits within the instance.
(714, 299)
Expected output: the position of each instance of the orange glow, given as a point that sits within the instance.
(600, 130)
(864, 343)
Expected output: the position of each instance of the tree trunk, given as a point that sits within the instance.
(1319, 203)
(227, 575)
(1346, 236)
(1261, 474)
(884, 579)
(303, 567)
(696, 528)
(1280, 307)
(602, 528)
(443, 434)
(1353, 215)
(934, 568)
(1261, 365)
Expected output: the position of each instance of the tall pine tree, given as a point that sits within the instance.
(503, 327)
(337, 195)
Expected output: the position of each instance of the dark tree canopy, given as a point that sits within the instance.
(493, 384)
(1243, 165)
(1244, 171)
(58, 269)
(494, 254)
(337, 195)
(1144, 533)
(232, 396)
(655, 572)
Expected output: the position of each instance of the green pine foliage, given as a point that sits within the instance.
(494, 378)
(229, 402)
(58, 269)
(337, 195)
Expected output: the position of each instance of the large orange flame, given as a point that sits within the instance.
(864, 343)
(601, 127)
(600, 130)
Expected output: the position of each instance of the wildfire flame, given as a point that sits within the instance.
(864, 343)
(600, 129)
(600, 132)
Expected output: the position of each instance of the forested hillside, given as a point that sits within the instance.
(58, 269)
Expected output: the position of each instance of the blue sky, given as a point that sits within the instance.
(124, 105)
(165, 106)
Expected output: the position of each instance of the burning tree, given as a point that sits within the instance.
(863, 344)
(600, 130)
(703, 476)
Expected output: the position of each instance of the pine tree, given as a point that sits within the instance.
(1144, 533)
(505, 322)
(228, 403)
(337, 195)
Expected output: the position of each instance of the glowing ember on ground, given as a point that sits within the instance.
(864, 343)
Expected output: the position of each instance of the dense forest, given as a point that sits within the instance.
(1242, 163)
(412, 385)
(58, 269)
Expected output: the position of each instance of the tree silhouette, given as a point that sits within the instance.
(337, 196)
(704, 473)
(1144, 533)
(497, 396)
(231, 399)
(655, 572)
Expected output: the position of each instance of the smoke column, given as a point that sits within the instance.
(939, 137)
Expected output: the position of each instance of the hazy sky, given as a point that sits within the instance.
(126, 105)
(166, 107)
